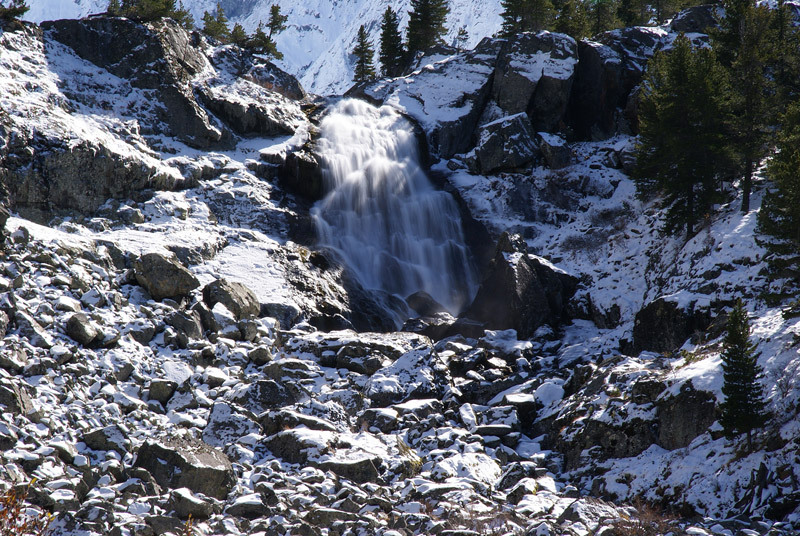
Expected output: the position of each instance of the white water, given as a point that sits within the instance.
(382, 215)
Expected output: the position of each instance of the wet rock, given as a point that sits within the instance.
(81, 329)
(423, 304)
(299, 171)
(663, 326)
(436, 327)
(506, 143)
(534, 74)
(164, 277)
(239, 300)
(675, 430)
(181, 462)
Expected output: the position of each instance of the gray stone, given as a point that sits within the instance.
(555, 151)
(263, 395)
(382, 419)
(506, 143)
(275, 421)
(358, 469)
(109, 438)
(162, 390)
(239, 300)
(325, 517)
(663, 326)
(164, 277)
(81, 329)
(227, 424)
(185, 504)
(419, 373)
(186, 322)
(182, 462)
(696, 19)
(423, 304)
(16, 400)
(32, 330)
(260, 355)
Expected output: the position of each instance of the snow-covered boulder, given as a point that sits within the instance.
(238, 298)
(664, 325)
(506, 143)
(164, 277)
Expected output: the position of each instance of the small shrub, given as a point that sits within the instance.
(648, 521)
(16, 521)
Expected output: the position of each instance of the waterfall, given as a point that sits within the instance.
(382, 215)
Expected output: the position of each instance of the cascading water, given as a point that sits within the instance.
(381, 213)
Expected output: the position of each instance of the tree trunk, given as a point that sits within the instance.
(747, 185)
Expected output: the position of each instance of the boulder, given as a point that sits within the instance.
(299, 170)
(359, 469)
(257, 69)
(187, 322)
(263, 395)
(164, 277)
(664, 326)
(30, 329)
(423, 304)
(634, 47)
(187, 463)
(275, 421)
(81, 329)
(239, 300)
(555, 151)
(675, 430)
(506, 143)
(186, 504)
(158, 56)
(227, 424)
(162, 390)
(520, 292)
(534, 74)
(419, 373)
(108, 438)
(696, 19)
(16, 400)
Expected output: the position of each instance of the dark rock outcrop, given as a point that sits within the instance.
(663, 326)
(685, 416)
(520, 292)
(507, 143)
(164, 277)
(157, 56)
(597, 91)
(187, 463)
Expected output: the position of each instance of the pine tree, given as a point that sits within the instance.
(183, 17)
(744, 407)
(392, 55)
(683, 148)
(426, 24)
(277, 21)
(780, 212)
(787, 61)
(461, 39)
(14, 10)
(216, 26)
(572, 19)
(603, 16)
(238, 35)
(750, 32)
(114, 8)
(364, 53)
(634, 12)
(526, 16)
(262, 43)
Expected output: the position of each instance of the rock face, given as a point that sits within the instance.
(597, 92)
(187, 463)
(164, 277)
(240, 300)
(157, 56)
(663, 326)
(520, 292)
(505, 144)
(675, 430)
(534, 74)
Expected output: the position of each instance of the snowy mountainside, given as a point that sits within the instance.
(320, 34)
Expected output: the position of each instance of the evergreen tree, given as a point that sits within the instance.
(780, 212)
(744, 407)
(426, 24)
(392, 55)
(572, 19)
(750, 32)
(262, 43)
(787, 60)
(183, 17)
(238, 35)
(114, 8)
(216, 26)
(526, 16)
(14, 10)
(683, 147)
(364, 53)
(603, 16)
(461, 38)
(277, 21)
(634, 12)
(149, 10)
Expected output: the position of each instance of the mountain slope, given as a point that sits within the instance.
(320, 34)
